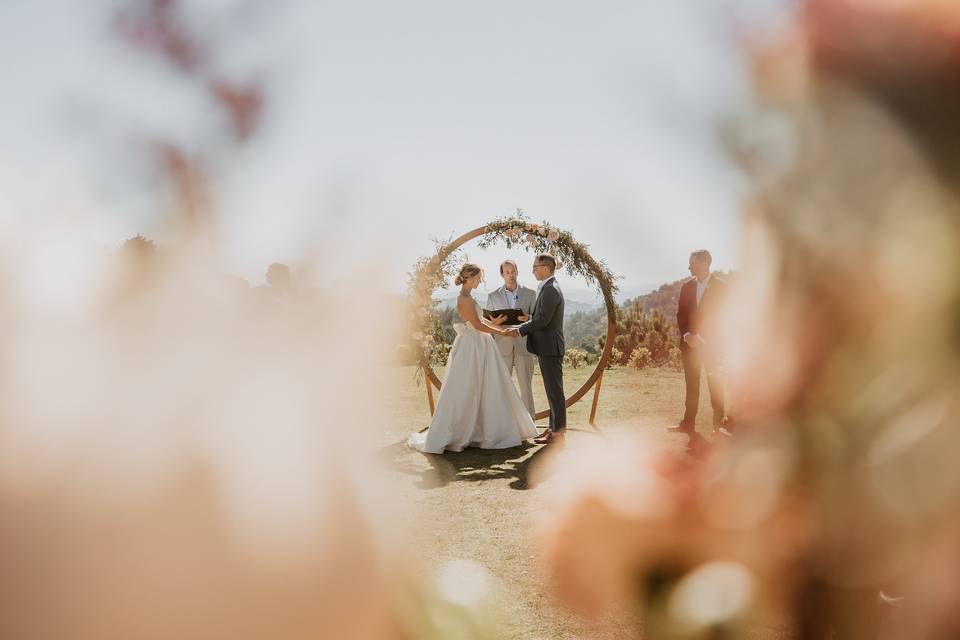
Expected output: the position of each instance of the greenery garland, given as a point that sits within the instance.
(429, 274)
(572, 256)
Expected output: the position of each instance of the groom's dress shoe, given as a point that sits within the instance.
(550, 437)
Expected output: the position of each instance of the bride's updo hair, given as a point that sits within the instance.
(468, 271)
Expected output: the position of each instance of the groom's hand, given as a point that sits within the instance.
(513, 333)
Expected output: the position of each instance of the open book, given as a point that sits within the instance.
(513, 315)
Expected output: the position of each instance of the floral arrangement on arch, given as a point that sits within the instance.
(572, 256)
(517, 231)
(429, 274)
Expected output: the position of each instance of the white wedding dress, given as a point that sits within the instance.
(478, 405)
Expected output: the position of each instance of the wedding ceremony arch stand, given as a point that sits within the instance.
(595, 380)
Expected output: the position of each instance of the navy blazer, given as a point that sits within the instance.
(544, 330)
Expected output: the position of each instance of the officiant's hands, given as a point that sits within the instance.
(523, 318)
(498, 320)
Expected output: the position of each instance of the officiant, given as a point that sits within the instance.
(512, 295)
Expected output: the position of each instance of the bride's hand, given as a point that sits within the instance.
(498, 320)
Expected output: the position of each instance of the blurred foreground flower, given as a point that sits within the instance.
(835, 508)
(173, 460)
(844, 325)
(697, 545)
(460, 605)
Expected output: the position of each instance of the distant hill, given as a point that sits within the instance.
(570, 307)
(586, 322)
(665, 297)
(578, 298)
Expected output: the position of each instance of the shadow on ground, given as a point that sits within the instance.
(469, 465)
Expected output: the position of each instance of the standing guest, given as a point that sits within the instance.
(700, 298)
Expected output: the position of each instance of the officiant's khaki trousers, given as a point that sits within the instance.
(516, 356)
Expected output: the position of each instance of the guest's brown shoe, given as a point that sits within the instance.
(680, 428)
(550, 437)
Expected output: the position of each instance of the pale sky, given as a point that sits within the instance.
(388, 124)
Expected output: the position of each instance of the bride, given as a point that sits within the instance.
(478, 405)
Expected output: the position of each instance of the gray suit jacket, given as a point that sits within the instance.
(497, 299)
(544, 331)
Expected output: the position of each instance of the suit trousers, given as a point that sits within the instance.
(551, 368)
(694, 361)
(515, 356)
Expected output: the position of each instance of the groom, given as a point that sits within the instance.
(544, 334)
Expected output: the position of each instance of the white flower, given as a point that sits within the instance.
(464, 582)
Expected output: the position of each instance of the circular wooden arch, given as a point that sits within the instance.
(604, 355)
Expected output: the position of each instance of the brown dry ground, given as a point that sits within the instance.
(484, 506)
